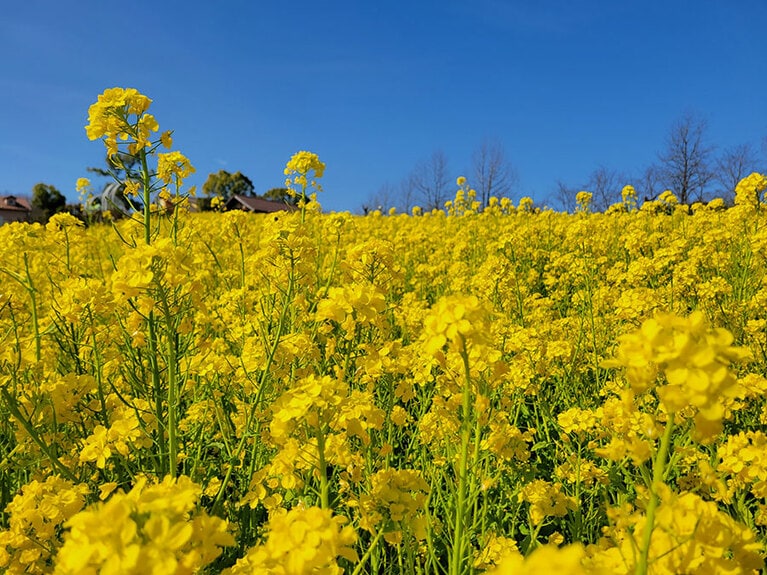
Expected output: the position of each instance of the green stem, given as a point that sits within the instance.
(332, 268)
(146, 183)
(534, 531)
(658, 471)
(261, 384)
(322, 465)
(172, 402)
(66, 243)
(361, 564)
(27, 425)
(171, 335)
(592, 320)
(458, 554)
(99, 375)
(35, 325)
(158, 393)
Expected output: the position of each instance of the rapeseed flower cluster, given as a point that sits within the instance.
(690, 535)
(548, 559)
(302, 172)
(743, 460)
(749, 191)
(299, 168)
(36, 517)
(120, 114)
(173, 168)
(546, 500)
(302, 540)
(120, 118)
(695, 361)
(395, 504)
(457, 321)
(150, 529)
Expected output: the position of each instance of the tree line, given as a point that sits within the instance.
(430, 184)
(688, 165)
(47, 200)
(225, 185)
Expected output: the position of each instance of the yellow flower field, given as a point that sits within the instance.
(507, 390)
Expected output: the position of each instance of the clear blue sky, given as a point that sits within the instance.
(374, 87)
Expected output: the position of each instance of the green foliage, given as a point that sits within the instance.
(203, 204)
(225, 185)
(119, 166)
(281, 195)
(47, 200)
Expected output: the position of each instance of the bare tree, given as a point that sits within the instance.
(650, 184)
(406, 194)
(429, 181)
(763, 156)
(493, 173)
(563, 197)
(384, 198)
(732, 166)
(685, 165)
(605, 185)
(401, 196)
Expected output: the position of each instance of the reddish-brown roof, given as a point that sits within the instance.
(14, 203)
(257, 205)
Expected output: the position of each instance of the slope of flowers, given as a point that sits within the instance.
(448, 389)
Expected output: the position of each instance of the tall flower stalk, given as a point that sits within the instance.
(302, 172)
(121, 120)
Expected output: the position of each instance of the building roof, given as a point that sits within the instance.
(257, 205)
(15, 204)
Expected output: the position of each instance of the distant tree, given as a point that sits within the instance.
(401, 196)
(430, 181)
(563, 198)
(685, 164)
(732, 166)
(649, 184)
(77, 211)
(47, 200)
(119, 166)
(493, 173)
(280, 195)
(202, 204)
(405, 194)
(225, 185)
(386, 197)
(605, 185)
